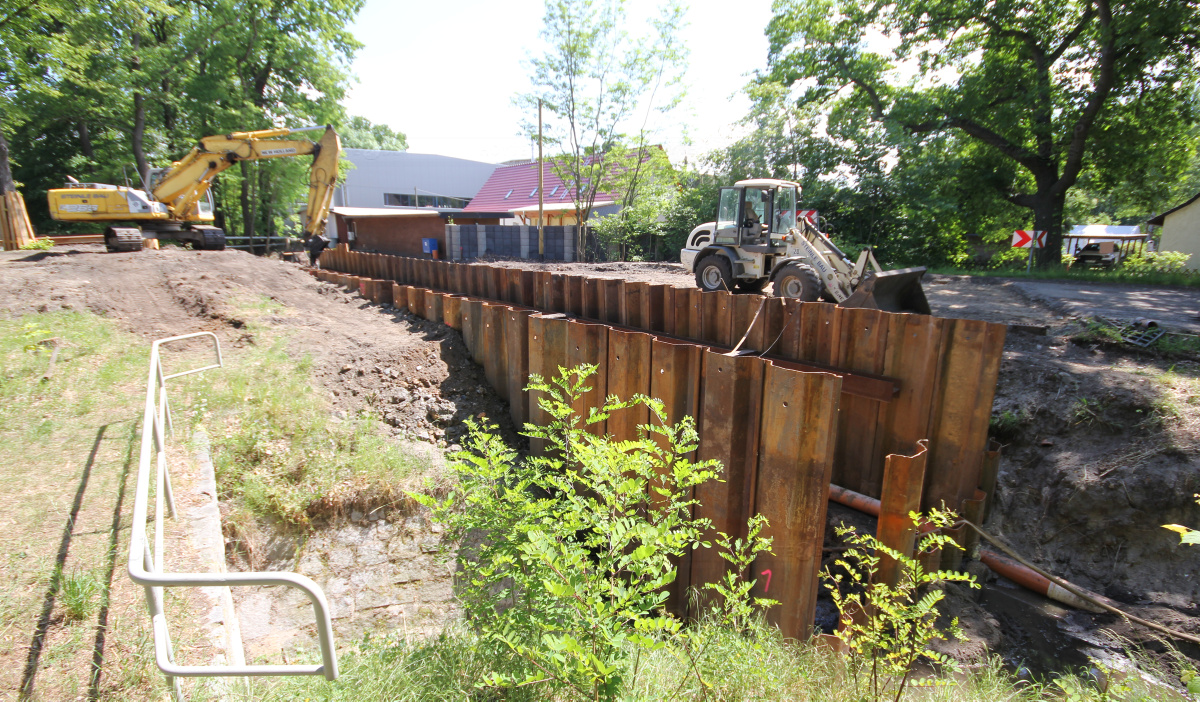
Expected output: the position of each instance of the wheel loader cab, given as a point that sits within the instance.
(748, 215)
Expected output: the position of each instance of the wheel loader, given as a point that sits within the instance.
(178, 201)
(760, 237)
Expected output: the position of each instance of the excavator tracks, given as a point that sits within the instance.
(123, 239)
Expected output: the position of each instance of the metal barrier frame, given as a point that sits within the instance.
(145, 568)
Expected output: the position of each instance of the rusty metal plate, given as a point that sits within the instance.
(863, 347)
(661, 301)
(590, 295)
(452, 311)
(903, 482)
(494, 348)
(716, 312)
(516, 343)
(675, 379)
(587, 342)
(628, 375)
(573, 294)
(547, 354)
(529, 289)
(433, 306)
(610, 300)
(747, 323)
(791, 489)
(416, 301)
(512, 284)
(729, 421)
(959, 437)
(635, 305)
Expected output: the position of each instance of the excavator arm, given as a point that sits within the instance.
(185, 183)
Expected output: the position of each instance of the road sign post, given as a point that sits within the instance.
(1029, 239)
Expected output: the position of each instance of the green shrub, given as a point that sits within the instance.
(889, 628)
(43, 243)
(576, 548)
(1150, 262)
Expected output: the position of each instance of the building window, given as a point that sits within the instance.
(506, 195)
(408, 200)
(553, 191)
(533, 192)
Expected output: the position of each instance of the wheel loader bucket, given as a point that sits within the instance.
(892, 291)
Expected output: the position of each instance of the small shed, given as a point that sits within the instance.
(399, 230)
(1181, 230)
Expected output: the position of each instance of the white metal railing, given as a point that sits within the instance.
(145, 567)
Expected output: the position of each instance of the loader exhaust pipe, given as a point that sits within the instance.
(892, 291)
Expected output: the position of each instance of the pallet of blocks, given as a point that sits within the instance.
(14, 222)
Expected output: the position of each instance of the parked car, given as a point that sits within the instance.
(1104, 254)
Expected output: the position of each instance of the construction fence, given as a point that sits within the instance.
(789, 396)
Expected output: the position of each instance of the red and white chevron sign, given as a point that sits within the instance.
(810, 215)
(1030, 239)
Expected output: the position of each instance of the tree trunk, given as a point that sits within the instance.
(139, 118)
(6, 180)
(85, 141)
(247, 206)
(1048, 217)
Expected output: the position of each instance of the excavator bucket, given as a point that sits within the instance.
(892, 291)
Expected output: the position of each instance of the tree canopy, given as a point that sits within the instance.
(1017, 101)
(103, 90)
(600, 86)
(360, 133)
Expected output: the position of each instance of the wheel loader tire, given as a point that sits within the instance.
(753, 287)
(714, 273)
(799, 282)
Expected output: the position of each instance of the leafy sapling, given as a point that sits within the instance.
(889, 628)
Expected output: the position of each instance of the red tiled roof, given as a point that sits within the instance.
(515, 187)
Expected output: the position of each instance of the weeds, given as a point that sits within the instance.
(79, 594)
(1007, 426)
(888, 627)
(1088, 411)
(41, 243)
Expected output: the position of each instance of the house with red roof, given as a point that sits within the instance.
(515, 189)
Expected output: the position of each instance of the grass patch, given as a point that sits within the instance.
(278, 450)
(756, 664)
(79, 594)
(67, 450)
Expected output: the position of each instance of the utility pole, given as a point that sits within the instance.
(541, 200)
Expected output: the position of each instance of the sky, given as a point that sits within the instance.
(445, 74)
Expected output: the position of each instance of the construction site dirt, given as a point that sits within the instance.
(1102, 445)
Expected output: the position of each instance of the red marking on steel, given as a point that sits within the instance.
(767, 585)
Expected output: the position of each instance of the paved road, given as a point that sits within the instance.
(1174, 308)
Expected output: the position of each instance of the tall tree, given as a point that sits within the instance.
(600, 85)
(360, 133)
(1047, 86)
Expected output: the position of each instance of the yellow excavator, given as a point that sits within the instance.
(177, 202)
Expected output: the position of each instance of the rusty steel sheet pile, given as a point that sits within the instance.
(892, 406)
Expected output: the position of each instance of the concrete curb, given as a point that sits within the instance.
(208, 541)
